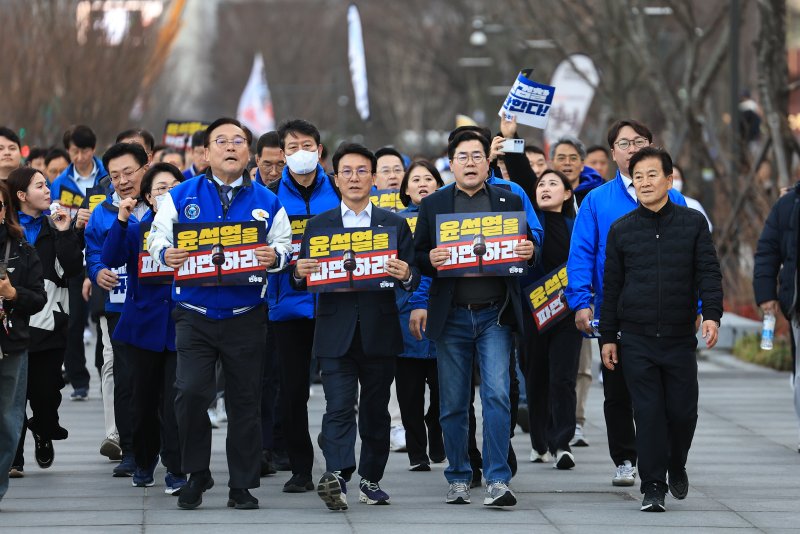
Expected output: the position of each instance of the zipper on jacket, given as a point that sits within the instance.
(658, 277)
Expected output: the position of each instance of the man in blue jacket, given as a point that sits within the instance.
(587, 254)
(226, 323)
(305, 191)
(127, 163)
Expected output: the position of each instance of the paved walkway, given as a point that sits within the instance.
(744, 471)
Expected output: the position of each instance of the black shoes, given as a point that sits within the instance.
(241, 499)
(654, 495)
(678, 483)
(192, 493)
(44, 451)
(299, 484)
(280, 460)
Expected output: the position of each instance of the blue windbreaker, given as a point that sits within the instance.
(587, 251)
(286, 303)
(146, 320)
(65, 191)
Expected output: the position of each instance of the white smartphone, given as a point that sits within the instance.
(516, 146)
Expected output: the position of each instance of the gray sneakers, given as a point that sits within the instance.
(499, 494)
(625, 474)
(458, 493)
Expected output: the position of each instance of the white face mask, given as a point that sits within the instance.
(303, 161)
(677, 185)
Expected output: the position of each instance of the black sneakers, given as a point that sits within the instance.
(654, 495)
(678, 483)
(192, 493)
(241, 499)
(299, 484)
(44, 451)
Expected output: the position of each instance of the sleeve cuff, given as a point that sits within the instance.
(608, 338)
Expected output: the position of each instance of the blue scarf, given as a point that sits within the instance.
(32, 226)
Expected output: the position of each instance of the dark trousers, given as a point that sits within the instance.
(340, 380)
(239, 343)
(44, 395)
(551, 370)
(122, 387)
(661, 374)
(618, 412)
(155, 429)
(293, 342)
(75, 355)
(270, 385)
(411, 375)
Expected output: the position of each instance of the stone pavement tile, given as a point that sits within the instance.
(36, 504)
(763, 504)
(628, 514)
(621, 528)
(256, 528)
(105, 529)
(456, 528)
(68, 518)
(774, 519)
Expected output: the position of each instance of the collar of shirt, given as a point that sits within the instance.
(236, 183)
(457, 190)
(85, 182)
(628, 183)
(138, 211)
(351, 219)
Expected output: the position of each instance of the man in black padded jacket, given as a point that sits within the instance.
(659, 260)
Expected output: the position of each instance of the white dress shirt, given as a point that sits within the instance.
(629, 187)
(351, 219)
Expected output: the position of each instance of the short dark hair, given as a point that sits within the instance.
(9, 134)
(389, 151)
(568, 208)
(652, 152)
(248, 135)
(19, 180)
(533, 149)
(486, 132)
(56, 153)
(120, 149)
(430, 167)
(169, 150)
(268, 140)
(81, 136)
(300, 126)
(353, 148)
(198, 138)
(36, 152)
(149, 176)
(149, 140)
(467, 135)
(637, 126)
(598, 148)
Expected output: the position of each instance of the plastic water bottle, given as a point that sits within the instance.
(767, 331)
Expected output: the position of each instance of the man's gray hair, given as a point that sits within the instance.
(569, 140)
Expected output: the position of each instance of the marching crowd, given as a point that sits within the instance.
(76, 230)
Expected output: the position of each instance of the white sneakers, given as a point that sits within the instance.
(537, 458)
(397, 439)
(578, 440)
(625, 475)
(564, 460)
(217, 413)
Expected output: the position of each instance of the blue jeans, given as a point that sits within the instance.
(469, 334)
(13, 383)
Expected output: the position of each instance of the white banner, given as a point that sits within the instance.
(529, 101)
(576, 78)
(358, 62)
(255, 104)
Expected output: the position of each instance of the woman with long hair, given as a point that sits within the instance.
(60, 251)
(22, 294)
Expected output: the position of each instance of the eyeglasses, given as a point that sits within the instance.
(237, 142)
(361, 172)
(574, 158)
(124, 174)
(163, 189)
(390, 170)
(272, 166)
(462, 158)
(638, 142)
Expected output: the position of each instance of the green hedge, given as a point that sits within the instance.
(780, 357)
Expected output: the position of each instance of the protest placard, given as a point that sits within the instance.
(529, 101)
(150, 271)
(546, 298)
(178, 134)
(388, 199)
(482, 244)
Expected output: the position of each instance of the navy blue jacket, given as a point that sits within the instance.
(146, 320)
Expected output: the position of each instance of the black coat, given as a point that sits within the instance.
(61, 255)
(442, 290)
(25, 274)
(374, 312)
(775, 269)
(657, 266)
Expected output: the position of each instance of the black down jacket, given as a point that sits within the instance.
(775, 269)
(657, 266)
